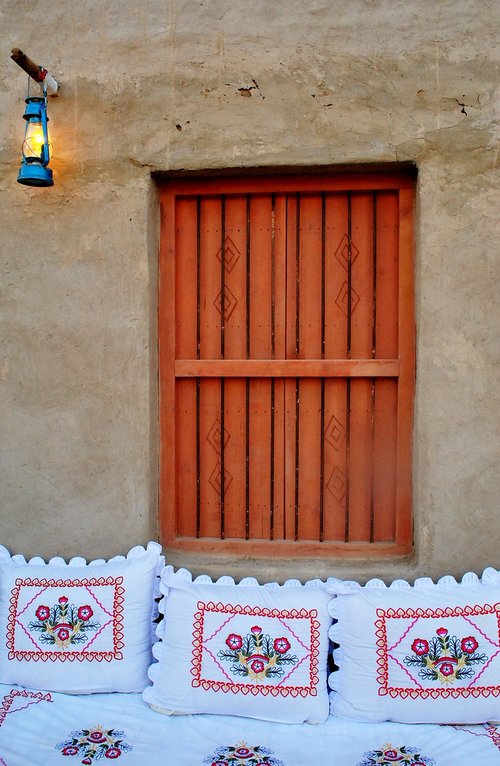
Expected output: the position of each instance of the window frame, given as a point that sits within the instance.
(178, 187)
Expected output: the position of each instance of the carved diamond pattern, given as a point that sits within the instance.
(335, 432)
(214, 436)
(336, 484)
(231, 254)
(346, 248)
(342, 299)
(230, 303)
(215, 479)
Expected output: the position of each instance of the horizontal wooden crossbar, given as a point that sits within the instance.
(286, 368)
(282, 548)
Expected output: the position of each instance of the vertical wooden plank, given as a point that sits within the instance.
(387, 276)
(335, 460)
(235, 264)
(362, 276)
(310, 298)
(335, 391)
(361, 333)
(259, 459)
(360, 454)
(386, 347)
(385, 460)
(210, 445)
(235, 348)
(279, 419)
(186, 463)
(279, 254)
(260, 318)
(260, 275)
(166, 360)
(211, 439)
(290, 386)
(186, 233)
(404, 526)
(210, 278)
(337, 254)
(309, 463)
(279, 282)
(186, 278)
(310, 346)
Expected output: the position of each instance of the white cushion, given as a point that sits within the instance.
(423, 654)
(78, 627)
(247, 649)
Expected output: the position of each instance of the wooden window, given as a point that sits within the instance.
(286, 341)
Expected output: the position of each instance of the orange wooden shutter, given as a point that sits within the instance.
(286, 339)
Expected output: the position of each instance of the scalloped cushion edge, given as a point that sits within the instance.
(75, 561)
(490, 576)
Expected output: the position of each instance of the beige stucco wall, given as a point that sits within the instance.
(165, 85)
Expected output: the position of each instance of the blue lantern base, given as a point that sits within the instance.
(35, 174)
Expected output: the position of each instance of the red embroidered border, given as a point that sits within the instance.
(80, 655)
(256, 611)
(382, 652)
(9, 699)
(493, 734)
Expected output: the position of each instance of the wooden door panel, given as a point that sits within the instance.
(285, 374)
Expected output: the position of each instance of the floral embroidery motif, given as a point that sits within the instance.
(63, 624)
(93, 744)
(299, 627)
(90, 630)
(388, 755)
(451, 663)
(445, 658)
(257, 656)
(243, 755)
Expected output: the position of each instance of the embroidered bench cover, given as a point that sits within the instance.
(55, 729)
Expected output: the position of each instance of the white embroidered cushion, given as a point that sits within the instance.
(422, 654)
(247, 649)
(78, 627)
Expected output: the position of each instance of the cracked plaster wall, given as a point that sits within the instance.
(185, 84)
